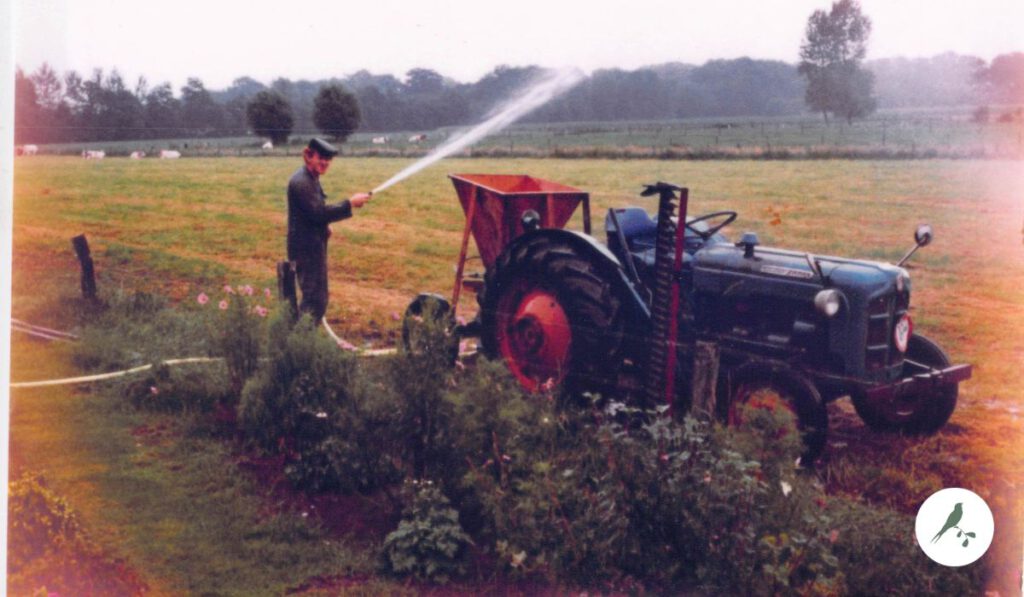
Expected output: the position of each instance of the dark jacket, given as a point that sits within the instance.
(309, 214)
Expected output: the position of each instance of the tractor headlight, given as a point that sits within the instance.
(901, 332)
(828, 302)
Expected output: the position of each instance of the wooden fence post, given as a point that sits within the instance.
(81, 246)
(286, 284)
(705, 378)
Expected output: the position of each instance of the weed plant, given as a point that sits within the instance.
(429, 542)
(50, 553)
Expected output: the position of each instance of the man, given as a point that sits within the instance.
(308, 218)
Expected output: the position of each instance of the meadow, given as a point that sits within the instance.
(179, 228)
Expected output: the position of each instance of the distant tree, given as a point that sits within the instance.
(1003, 80)
(26, 109)
(199, 112)
(162, 113)
(336, 112)
(424, 81)
(831, 53)
(49, 90)
(270, 116)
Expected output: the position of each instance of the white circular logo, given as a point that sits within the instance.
(954, 527)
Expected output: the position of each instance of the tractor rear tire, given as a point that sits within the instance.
(555, 315)
(919, 413)
(765, 385)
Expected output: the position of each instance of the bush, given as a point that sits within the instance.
(307, 403)
(49, 551)
(429, 542)
(189, 389)
(39, 521)
(681, 506)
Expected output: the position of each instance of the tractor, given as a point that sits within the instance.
(634, 315)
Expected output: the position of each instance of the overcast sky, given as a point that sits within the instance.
(217, 41)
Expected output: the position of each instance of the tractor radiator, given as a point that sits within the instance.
(661, 363)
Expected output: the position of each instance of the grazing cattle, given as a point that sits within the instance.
(169, 154)
(417, 138)
(381, 140)
(138, 155)
(268, 145)
(29, 150)
(92, 154)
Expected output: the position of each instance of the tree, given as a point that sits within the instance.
(270, 116)
(830, 58)
(49, 90)
(1004, 78)
(336, 112)
(199, 111)
(26, 109)
(162, 113)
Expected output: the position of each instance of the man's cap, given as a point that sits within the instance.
(322, 147)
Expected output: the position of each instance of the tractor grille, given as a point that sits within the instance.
(883, 313)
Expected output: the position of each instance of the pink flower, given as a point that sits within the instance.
(247, 290)
(155, 390)
(266, 292)
(228, 289)
(833, 536)
(260, 310)
(460, 320)
(395, 316)
(223, 305)
(202, 299)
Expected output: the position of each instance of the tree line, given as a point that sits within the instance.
(52, 107)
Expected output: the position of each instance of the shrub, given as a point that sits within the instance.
(429, 542)
(675, 504)
(39, 521)
(136, 329)
(50, 553)
(189, 389)
(307, 402)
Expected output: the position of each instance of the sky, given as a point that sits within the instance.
(220, 40)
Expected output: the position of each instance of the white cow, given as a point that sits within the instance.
(29, 149)
(381, 140)
(169, 154)
(268, 145)
(417, 138)
(138, 155)
(92, 154)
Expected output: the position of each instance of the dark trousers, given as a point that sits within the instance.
(311, 270)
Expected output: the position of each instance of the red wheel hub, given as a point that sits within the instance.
(534, 338)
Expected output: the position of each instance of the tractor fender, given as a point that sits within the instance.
(600, 254)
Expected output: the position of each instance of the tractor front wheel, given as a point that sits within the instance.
(764, 386)
(553, 314)
(918, 413)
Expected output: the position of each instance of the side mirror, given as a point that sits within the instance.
(923, 235)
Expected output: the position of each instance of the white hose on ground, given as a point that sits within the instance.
(111, 375)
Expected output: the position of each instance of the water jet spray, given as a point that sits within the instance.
(542, 90)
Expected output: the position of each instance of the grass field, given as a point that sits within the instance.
(188, 226)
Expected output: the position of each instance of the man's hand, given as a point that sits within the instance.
(360, 199)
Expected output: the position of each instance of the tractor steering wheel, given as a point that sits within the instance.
(729, 217)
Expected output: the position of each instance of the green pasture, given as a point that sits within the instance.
(181, 227)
